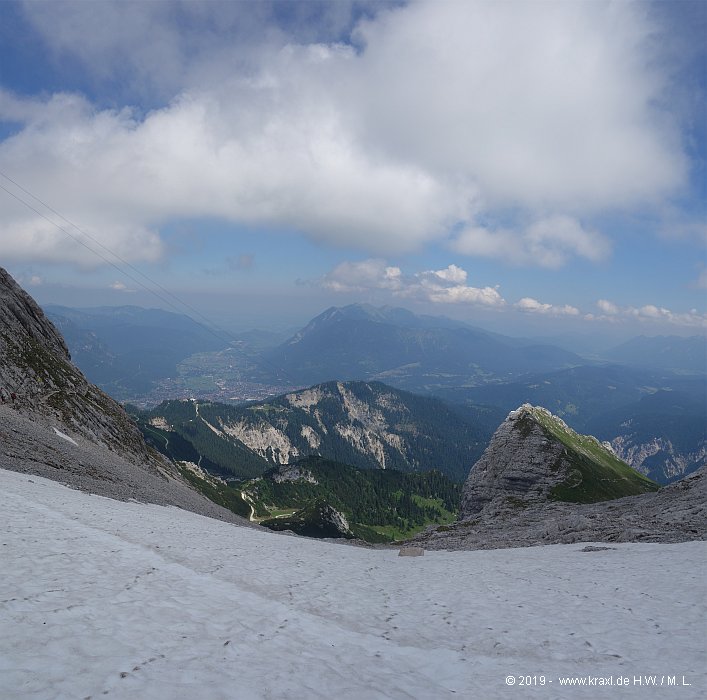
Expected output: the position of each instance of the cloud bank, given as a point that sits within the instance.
(447, 286)
(548, 242)
(450, 286)
(533, 306)
(425, 119)
(648, 313)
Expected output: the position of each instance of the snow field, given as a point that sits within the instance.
(101, 598)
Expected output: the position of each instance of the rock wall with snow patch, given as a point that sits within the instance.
(35, 366)
(62, 427)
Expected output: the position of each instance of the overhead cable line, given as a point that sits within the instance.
(213, 328)
(105, 248)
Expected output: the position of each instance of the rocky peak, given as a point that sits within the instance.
(534, 458)
(21, 317)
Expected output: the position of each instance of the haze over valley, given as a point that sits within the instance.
(651, 408)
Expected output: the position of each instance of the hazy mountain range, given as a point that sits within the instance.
(418, 353)
(128, 351)
(663, 352)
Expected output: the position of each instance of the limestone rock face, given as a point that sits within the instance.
(292, 472)
(336, 519)
(539, 482)
(519, 467)
(675, 462)
(366, 425)
(676, 513)
(534, 458)
(21, 317)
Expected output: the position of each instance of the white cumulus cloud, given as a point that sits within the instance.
(448, 286)
(607, 307)
(120, 287)
(445, 286)
(548, 242)
(649, 313)
(436, 117)
(533, 306)
(362, 276)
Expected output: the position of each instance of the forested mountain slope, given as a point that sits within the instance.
(367, 425)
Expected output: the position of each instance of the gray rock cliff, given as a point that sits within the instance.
(62, 427)
(534, 458)
(676, 513)
(35, 366)
(539, 482)
(520, 466)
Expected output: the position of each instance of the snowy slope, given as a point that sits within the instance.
(101, 598)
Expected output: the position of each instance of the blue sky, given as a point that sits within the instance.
(536, 167)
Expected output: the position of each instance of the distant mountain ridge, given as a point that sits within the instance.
(417, 353)
(670, 352)
(130, 351)
(655, 420)
(127, 349)
(664, 435)
(577, 394)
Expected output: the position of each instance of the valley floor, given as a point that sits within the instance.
(101, 598)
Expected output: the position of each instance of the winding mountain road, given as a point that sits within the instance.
(252, 509)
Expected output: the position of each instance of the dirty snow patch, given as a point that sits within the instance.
(125, 600)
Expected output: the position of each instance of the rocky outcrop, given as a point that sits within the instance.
(676, 513)
(266, 440)
(534, 458)
(520, 466)
(539, 482)
(291, 472)
(20, 317)
(318, 519)
(35, 366)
